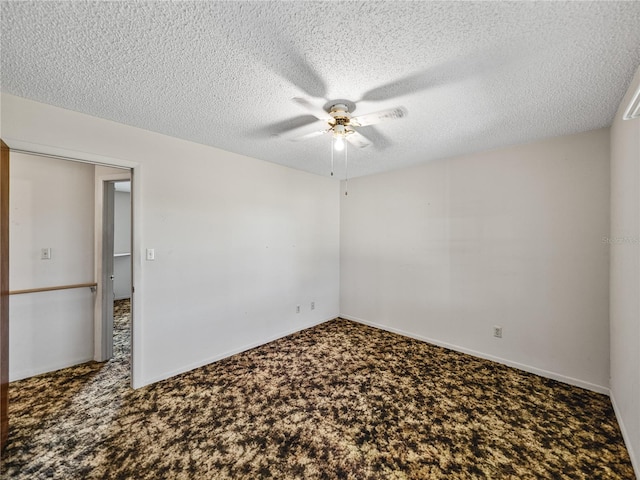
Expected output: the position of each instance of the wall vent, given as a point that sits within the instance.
(633, 110)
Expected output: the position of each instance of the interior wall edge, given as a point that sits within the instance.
(625, 434)
(624, 274)
(576, 382)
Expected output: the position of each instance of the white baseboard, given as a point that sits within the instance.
(625, 436)
(229, 353)
(32, 372)
(527, 368)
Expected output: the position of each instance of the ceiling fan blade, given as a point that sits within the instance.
(381, 116)
(306, 131)
(404, 86)
(314, 110)
(278, 128)
(292, 65)
(271, 47)
(380, 141)
(357, 139)
(307, 136)
(449, 72)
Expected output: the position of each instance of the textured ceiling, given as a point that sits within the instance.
(473, 76)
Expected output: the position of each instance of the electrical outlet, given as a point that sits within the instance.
(313, 305)
(45, 254)
(297, 308)
(497, 331)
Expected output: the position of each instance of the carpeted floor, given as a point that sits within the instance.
(340, 400)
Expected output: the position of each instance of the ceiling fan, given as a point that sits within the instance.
(336, 119)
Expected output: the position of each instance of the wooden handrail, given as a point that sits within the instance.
(49, 289)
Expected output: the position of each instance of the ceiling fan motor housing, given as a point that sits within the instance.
(341, 118)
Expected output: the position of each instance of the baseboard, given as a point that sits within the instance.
(229, 353)
(625, 436)
(527, 368)
(50, 368)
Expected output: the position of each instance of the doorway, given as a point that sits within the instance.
(44, 254)
(66, 287)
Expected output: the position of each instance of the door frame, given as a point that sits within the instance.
(4, 294)
(136, 171)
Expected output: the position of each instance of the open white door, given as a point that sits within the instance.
(107, 270)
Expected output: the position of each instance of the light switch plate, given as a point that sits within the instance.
(151, 254)
(45, 254)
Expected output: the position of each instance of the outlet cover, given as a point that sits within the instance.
(497, 331)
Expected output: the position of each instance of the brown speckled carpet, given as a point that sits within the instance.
(340, 400)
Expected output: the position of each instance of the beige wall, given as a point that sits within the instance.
(122, 245)
(625, 274)
(511, 237)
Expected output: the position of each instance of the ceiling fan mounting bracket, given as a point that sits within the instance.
(350, 106)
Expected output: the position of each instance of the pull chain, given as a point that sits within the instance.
(331, 144)
(346, 170)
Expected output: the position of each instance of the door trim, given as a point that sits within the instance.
(136, 170)
(4, 294)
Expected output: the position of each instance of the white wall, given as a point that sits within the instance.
(122, 245)
(122, 222)
(51, 206)
(625, 274)
(511, 237)
(238, 242)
